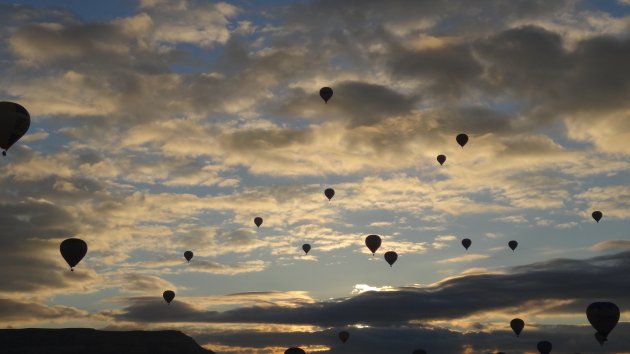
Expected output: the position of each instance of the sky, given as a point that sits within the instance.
(164, 126)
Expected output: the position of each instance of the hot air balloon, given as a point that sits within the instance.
(329, 193)
(343, 335)
(14, 123)
(603, 316)
(597, 215)
(419, 351)
(441, 159)
(168, 295)
(306, 247)
(188, 255)
(373, 242)
(517, 326)
(73, 250)
(466, 243)
(391, 257)
(294, 350)
(258, 221)
(544, 347)
(513, 244)
(462, 139)
(326, 93)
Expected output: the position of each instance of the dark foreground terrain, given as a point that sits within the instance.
(91, 341)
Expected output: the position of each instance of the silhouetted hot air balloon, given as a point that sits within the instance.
(73, 250)
(597, 215)
(544, 347)
(14, 123)
(343, 335)
(188, 255)
(603, 316)
(462, 139)
(306, 247)
(513, 244)
(373, 242)
(466, 243)
(391, 257)
(517, 326)
(168, 295)
(294, 350)
(419, 351)
(329, 193)
(441, 159)
(326, 93)
(258, 221)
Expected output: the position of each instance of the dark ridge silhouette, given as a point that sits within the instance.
(91, 341)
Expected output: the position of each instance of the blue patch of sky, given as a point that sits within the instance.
(88, 10)
(613, 7)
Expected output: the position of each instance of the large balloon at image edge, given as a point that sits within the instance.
(258, 221)
(597, 215)
(73, 250)
(441, 159)
(513, 244)
(462, 139)
(603, 316)
(329, 193)
(325, 93)
(306, 247)
(544, 347)
(373, 242)
(343, 335)
(294, 350)
(517, 326)
(466, 243)
(14, 123)
(168, 296)
(188, 255)
(391, 257)
(419, 351)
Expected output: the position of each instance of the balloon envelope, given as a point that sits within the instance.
(325, 93)
(329, 193)
(544, 347)
(73, 250)
(391, 257)
(441, 159)
(343, 335)
(373, 242)
(14, 123)
(603, 316)
(258, 221)
(188, 255)
(294, 350)
(517, 326)
(419, 351)
(168, 295)
(597, 215)
(466, 243)
(513, 244)
(306, 247)
(462, 139)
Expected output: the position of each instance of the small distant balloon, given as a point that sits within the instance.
(168, 295)
(373, 242)
(603, 316)
(597, 215)
(73, 250)
(466, 243)
(326, 93)
(544, 347)
(441, 159)
(306, 247)
(391, 257)
(517, 326)
(329, 193)
(14, 123)
(419, 351)
(343, 335)
(258, 221)
(294, 350)
(513, 244)
(462, 139)
(188, 255)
